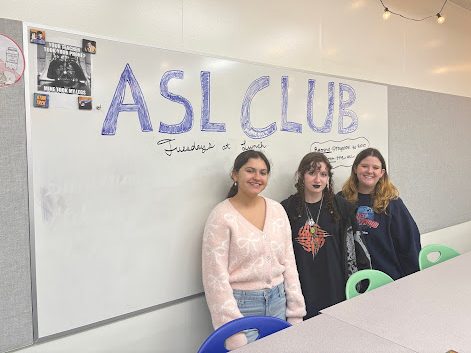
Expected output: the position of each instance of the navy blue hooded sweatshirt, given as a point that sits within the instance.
(392, 237)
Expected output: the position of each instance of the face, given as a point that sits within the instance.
(368, 172)
(316, 179)
(66, 74)
(252, 177)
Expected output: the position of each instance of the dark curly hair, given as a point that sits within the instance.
(309, 162)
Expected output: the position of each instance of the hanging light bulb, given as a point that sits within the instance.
(440, 18)
(386, 13)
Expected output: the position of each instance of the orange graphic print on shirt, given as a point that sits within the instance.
(311, 238)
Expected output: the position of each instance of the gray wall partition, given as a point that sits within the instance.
(16, 321)
(430, 155)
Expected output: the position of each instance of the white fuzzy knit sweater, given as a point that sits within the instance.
(238, 255)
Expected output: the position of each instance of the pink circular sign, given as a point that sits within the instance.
(12, 61)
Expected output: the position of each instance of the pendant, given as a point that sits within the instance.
(310, 221)
(313, 230)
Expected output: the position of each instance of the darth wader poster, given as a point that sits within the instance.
(64, 68)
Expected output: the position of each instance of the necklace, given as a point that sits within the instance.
(310, 220)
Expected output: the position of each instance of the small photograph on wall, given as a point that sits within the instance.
(85, 103)
(37, 36)
(65, 69)
(41, 100)
(88, 46)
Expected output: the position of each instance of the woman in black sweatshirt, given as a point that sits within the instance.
(326, 241)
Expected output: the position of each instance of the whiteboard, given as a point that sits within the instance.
(121, 192)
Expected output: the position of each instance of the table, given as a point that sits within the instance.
(428, 311)
(323, 334)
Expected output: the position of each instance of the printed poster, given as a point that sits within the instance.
(64, 68)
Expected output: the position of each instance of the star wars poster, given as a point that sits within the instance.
(64, 68)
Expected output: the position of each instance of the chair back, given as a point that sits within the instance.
(376, 279)
(266, 325)
(444, 253)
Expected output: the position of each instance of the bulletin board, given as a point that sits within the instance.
(16, 319)
(429, 157)
(131, 147)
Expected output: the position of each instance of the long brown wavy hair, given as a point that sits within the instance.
(311, 161)
(384, 190)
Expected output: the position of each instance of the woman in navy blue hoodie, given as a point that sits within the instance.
(389, 231)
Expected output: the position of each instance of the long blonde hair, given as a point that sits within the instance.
(384, 190)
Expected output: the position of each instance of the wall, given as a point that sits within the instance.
(15, 276)
(428, 158)
(340, 37)
(346, 38)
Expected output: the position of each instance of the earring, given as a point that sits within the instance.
(235, 183)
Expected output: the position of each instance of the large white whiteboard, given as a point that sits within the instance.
(118, 218)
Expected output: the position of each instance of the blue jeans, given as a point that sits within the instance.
(263, 302)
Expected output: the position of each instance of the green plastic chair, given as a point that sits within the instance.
(376, 279)
(444, 253)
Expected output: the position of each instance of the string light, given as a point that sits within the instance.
(440, 18)
(387, 13)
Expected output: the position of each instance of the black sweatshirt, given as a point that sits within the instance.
(327, 258)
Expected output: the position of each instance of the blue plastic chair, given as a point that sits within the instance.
(376, 279)
(444, 253)
(266, 325)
